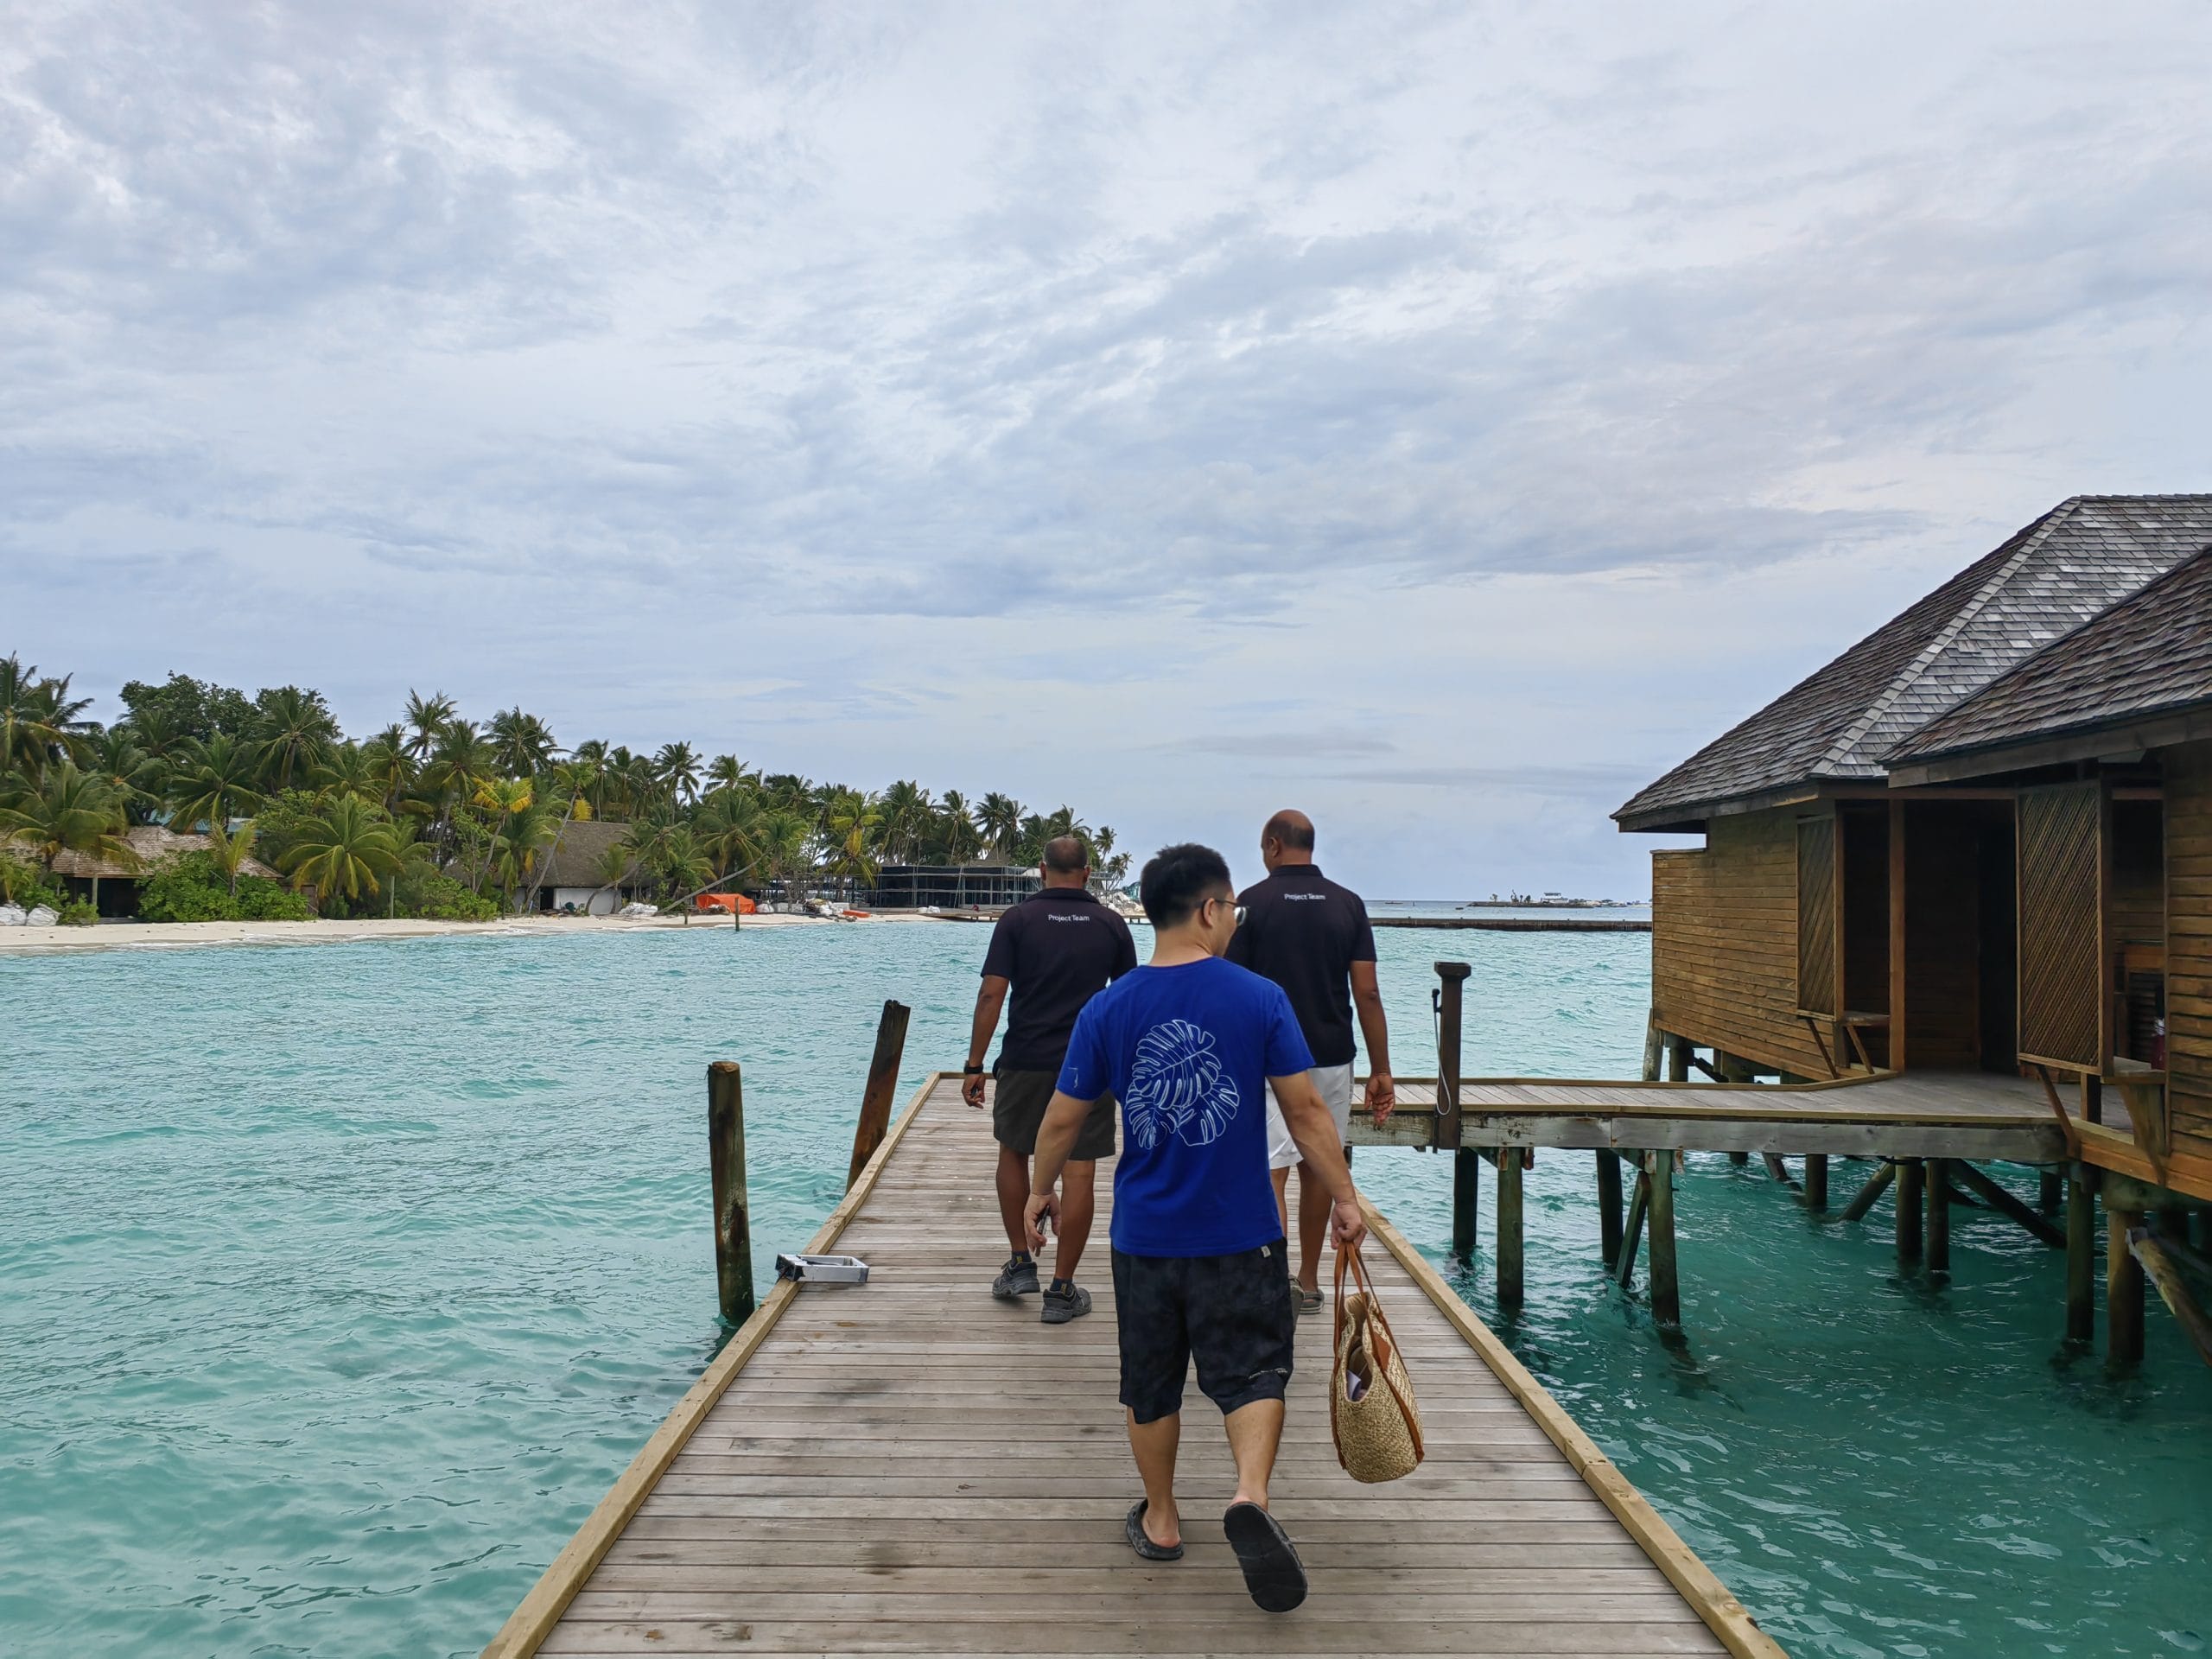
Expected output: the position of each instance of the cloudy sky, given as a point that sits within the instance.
(1440, 418)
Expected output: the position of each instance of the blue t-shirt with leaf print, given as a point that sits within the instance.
(1187, 1051)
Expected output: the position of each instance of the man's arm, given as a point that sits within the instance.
(1314, 1128)
(1374, 1032)
(989, 1000)
(1055, 1140)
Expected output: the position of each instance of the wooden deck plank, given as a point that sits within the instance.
(908, 1466)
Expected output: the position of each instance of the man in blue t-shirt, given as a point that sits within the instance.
(1189, 1044)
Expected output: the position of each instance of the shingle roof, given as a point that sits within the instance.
(2149, 654)
(2046, 581)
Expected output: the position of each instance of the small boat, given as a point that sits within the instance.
(856, 915)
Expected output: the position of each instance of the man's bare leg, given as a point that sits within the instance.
(1155, 1445)
(1282, 1179)
(1313, 1226)
(1013, 1198)
(1078, 1204)
(1254, 1436)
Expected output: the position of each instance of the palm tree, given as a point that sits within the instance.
(616, 865)
(66, 810)
(426, 717)
(677, 766)
(1000, 819)
(296, 730)
(850, 838)
(214, 781)
(729, 827)
(522, 743)
(40, 721)
(727, 772)
(784, 839)
(683, 864)
(349, 844)
(137, 776)
(907, 809)
(389, 769)
(460, 761)
(515, 846)
(352, 768)
(231, 848)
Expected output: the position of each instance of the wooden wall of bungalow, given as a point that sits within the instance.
(2035, 920)
(2188, 773)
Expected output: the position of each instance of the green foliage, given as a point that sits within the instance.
(188, 707)
(441, 898)
(29, 886)
(79, 912)
(191, 887)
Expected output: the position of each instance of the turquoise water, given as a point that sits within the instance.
(341, 1279)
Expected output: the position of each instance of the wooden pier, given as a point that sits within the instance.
(906, 1466)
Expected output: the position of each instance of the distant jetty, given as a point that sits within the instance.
(1520, 924)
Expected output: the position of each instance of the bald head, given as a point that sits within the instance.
(1066, 861)
(1288, 839)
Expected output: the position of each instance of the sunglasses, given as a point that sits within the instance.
(1239, 909)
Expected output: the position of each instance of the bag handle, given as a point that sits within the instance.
(1370, 1301)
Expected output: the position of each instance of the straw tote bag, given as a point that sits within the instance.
(1372, 1411)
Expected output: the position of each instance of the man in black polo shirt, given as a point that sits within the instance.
(1056, 949)
(1312, 937)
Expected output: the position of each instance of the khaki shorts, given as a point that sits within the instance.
(1335, 1084)
(1018, 1112)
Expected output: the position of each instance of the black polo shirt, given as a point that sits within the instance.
(1304, 932)
(1058, 949)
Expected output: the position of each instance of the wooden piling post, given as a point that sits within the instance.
(2123, 1290)
(1666, 1284)
(1632, 1234)
(1939, 1215)
(733, 1218)
(1653, 1040)
(1732, 1070)
(2049, 1183)
(1912, 1182)
(2151, 1253)
(1680, 1052)
(2080, 1256)
(1508, 1229)
(1466, 1163)
(1816, 1182)
(1466, 1199)
(882, 1083)
(1609, 1206)
(1876, 1184)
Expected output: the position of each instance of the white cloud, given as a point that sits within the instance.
(1007, 395)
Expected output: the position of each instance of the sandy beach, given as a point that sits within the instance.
(165, 935)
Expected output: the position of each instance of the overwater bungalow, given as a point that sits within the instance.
(1978, 842)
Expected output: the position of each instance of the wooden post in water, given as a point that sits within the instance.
(1939, 1215)
(1639, 1203)
(1884, 1173)
(1732, 1070)
(1467, 1163)
(882, 1083)
(1666, 1284)
(2123, 1290)
(1912, 1182)
(1508, 1229)
(1609, 1206)
(1680, 1052)
(1816, 1182)
(732, 1219)
(2049, 1183)
(2150, 1252)
(2080, 1254)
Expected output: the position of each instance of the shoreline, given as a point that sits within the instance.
(176, 936)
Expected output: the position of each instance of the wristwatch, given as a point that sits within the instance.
(971, 1070)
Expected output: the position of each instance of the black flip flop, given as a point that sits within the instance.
(1134, 1530)
(1272, 1572)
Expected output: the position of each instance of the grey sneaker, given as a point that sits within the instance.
(1061, 1305)
(1309, 1301)
(1015, 1278)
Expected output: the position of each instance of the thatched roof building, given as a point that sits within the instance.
(150, 845)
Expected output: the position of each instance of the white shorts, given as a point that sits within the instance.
(1335, 1084)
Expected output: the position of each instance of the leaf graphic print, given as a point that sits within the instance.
(1177, 1086)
